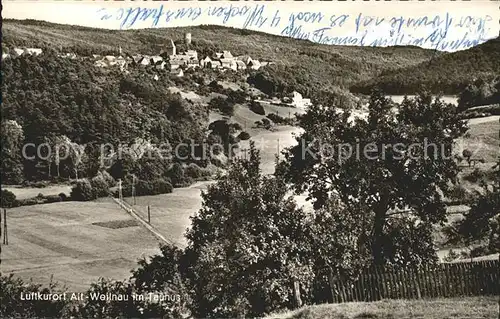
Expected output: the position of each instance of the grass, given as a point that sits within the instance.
(63, 240)
(471, 307)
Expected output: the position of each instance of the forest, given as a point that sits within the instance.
(52, 100)
(446, 74)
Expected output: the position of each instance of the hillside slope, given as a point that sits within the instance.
(333, 65)
(448, 73)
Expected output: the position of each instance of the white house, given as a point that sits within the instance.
(18, 52)
(228, 63)
(156, 59)
(240, 65)
(34, 51)
(161, 66)
(145, 60)
(245, 58)
(177, 72)
(254, 64)
(192, 54)
(206, 62)
(227, 55)
(299, 102)
(216, 65)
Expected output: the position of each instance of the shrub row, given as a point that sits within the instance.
(9, 199)
(144, 188)
(98, 186)
(257, 108)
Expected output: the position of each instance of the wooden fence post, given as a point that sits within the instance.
(149, 215)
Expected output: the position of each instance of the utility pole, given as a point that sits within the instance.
(149, 215)
(133, 188)
(120, 195)
(278, 146)
(5, 237)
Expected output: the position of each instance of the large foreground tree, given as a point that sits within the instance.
(386, 168)
(252, 251)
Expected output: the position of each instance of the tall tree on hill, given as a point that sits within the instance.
(390, 165)
(253, 251)
(12, 137)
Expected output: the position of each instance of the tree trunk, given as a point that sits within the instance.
(296, 293)
(76, 174)
(378, 239)
(58, 175)
(50, 164)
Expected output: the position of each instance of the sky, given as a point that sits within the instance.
(442, 25)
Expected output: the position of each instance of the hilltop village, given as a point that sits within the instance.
(168, 59)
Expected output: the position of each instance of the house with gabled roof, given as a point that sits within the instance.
(145, 60)
(193, 63)
(206, 62)
(18, 51)
(244, 58)
(192, 54)
(228, 63)
(156, 59)
(216, 65)
(177, 72)
(161, 65)
(227, 55)
(254, 64)
(240, 65)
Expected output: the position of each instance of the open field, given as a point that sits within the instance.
(76, 242)
(472, 307)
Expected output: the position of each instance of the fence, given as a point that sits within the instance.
(442, 280)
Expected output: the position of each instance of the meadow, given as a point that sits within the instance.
(74, 243)
(471, 307)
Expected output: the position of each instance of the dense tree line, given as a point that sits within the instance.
(479, 93)
(282, 80)
(47, 99)
(446, 74)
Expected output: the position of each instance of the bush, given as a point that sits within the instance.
(29, 201)
(108, 178)
(143, 188)
(237, 96)
(11, 306)
(236, 126)
(82, 191)
(100, 187)
(52, 199)
(193, 170)
(244, 136)
(478, 175)
(257, 108)
(162, 186)
(458, 192)
(176, 174)
(146, 188)
(8, 199)
(222, 105)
